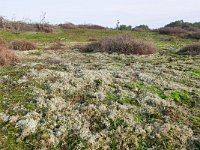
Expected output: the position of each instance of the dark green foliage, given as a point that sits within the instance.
(125, 27)
(182, 24)
(141, 28)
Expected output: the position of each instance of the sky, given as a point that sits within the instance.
(154, 13)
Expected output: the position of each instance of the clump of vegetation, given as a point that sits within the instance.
(7, 57)
(182, 24)
(125, 27)
(175, 31)
(141, 28)
(23, 45)
(122, 44)
(196, 73)
(55, 46)
(195, 35)
(182, 29)
(192, 50)
(90, 26)
(69, 25)
(21, 26)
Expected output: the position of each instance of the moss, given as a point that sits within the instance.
(129, 100)
(196, 73)
(181, 97)
(158, 91)
(8, 138)
(138, 119)
(111, 98)
(14, 73)
(135, 85)
(196, 121)
(122, 100)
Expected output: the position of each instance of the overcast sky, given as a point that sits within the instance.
(155, 13)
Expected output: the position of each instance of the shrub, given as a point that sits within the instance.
(173, 31)
(90, 26)
(81, 26)
(121, 44)
(125, 27)
(7, 57)
(23, 45)
(44, 28)
(195, 35)
(68, 26)
(182, 24)
(141, 28)
(192, 50)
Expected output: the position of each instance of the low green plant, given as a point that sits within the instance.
(196, 73)
(180, 97)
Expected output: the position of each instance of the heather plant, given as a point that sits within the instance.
(190, 50)
(23, 45)
(121, 44)
(7, 57)
(176, 31)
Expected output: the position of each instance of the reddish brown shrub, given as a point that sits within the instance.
(173, 31)
(195, 35)
(192, 50)
(121, 44)
(44, 28)
(23, 45)
(7, 57)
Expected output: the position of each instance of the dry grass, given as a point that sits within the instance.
(23, 45)
(192, 50)
(121, 44)
(7, 57)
